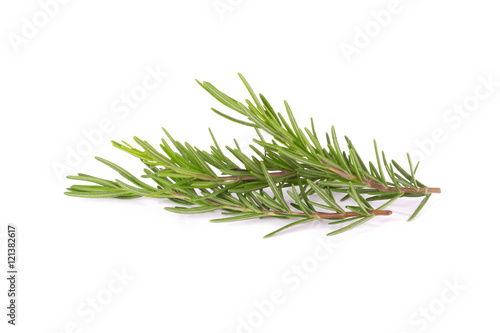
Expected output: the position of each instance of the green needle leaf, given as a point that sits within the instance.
(193, 210)
(241, 122)
(289, 225)
(240, 217)
(396, 197)
(125, 174)
(87, 178)
(250, 90)
(346, 220)
(351, 226)
(419, 208)
(322, 194)
(380, 170)
(272, 185)
(98, 194)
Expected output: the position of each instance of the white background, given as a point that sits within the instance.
(188, 275)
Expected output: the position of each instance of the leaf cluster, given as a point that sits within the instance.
(294, 176)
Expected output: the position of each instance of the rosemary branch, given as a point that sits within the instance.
(254, 186)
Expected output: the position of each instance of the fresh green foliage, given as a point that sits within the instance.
(253, 186)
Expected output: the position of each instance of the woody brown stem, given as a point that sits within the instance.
(380, 187)
(298, 214)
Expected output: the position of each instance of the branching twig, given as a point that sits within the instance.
(253, 186)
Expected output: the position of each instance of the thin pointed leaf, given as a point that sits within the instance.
(272, 185)
(419, 208)
(98, 194)
(289, 225)
(346, 220)
(241, 122)
(193, 210)
(381, 171)
(329, 200)
(250, 90)
(125, 174)
(240, 217)
(399, 195)
(350, 226)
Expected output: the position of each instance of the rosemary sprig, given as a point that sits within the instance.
(253, 187)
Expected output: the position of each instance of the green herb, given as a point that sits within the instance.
(252, 186)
